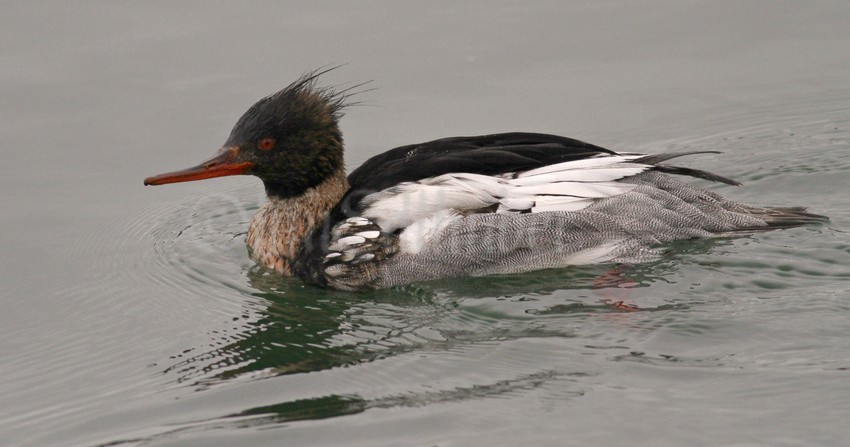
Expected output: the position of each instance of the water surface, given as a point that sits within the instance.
(132, 315)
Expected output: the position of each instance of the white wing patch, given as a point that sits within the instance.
(568, 186)
(559, 203)
(603, 161)
(582, 175)
(575, 189)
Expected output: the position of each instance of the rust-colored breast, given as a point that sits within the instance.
(278, 229)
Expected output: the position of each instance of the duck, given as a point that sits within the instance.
(492, 204)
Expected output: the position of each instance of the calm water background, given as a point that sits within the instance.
(132, 315)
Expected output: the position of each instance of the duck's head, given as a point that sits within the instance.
(290, 140)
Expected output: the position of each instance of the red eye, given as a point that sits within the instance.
(266, 144)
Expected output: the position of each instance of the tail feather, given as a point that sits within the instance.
(654, 159)
(657, 159)
(698, 173)
(786, 217)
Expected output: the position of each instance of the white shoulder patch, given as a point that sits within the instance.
(403, 204)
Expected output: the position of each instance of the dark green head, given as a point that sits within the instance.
(291, 140)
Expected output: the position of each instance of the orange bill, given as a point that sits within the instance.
(225, 162)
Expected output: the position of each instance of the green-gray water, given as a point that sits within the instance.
(132, 315)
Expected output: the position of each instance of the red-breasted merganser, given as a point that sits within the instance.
(503, 203)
